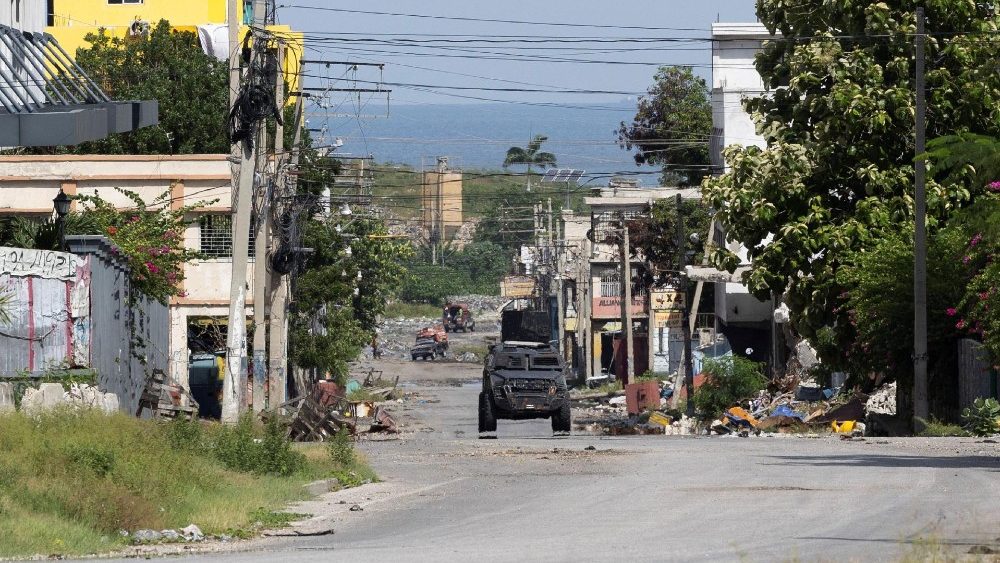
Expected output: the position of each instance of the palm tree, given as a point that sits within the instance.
(966, 153)
(530, 155)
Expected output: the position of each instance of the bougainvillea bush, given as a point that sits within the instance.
(150, 237)
(977, 312)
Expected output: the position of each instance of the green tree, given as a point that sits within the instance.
(529, 156)
(671, 127)
(837, 174)
(655, 237)
(338, 297)
(170, 67)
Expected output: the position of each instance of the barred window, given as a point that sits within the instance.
(217, 236)
(611, 285)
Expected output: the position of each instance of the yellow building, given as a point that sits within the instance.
(71, 20)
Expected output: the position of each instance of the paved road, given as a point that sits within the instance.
(529, 496)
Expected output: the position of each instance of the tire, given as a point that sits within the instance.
(562, 419)
(413, 357)
(487, 418)
(473, 327)
(431, 356)
(446, 329)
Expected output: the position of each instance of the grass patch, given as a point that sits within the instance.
(70, 480)
(937, 429)
(609, 388)
(480, 350)
(411, 310)
(352, 469)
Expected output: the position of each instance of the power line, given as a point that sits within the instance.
(486, 20)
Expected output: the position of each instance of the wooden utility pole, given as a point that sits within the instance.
(627, 305)
(234, 383)
(921, 408)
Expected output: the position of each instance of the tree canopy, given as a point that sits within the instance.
(532, 155)
(672, 126)
(837, 174)
(170, 67)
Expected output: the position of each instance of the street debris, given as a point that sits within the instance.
(330, 408)
(790, 405)
(165, 400)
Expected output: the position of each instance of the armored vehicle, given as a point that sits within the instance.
(523, 380)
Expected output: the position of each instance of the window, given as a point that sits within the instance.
(611, 285)
(216, 236)
(125, 1)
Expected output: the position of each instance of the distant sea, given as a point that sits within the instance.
(478, 135)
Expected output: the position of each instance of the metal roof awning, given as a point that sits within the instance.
(46, 99)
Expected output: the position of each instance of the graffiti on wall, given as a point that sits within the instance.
(47, 264)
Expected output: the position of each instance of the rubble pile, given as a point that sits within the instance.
(50, 396)
(358, 408)
(784, 409)
(883, 401)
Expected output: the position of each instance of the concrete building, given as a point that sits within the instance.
(29, 183)
(746, 321)
(441, 201)
(597, 287)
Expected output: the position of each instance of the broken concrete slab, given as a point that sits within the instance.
(6, 398)
(48, 396)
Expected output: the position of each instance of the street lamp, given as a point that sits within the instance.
(61, 203)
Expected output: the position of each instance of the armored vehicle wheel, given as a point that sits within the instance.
(487, 419)
(561, 419)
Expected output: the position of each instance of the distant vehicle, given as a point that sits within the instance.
(523, 380)
(431, 343)
(456, 316)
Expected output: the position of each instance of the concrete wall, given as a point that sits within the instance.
(448, 211)
(26, 15)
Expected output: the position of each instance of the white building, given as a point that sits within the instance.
(745, 320)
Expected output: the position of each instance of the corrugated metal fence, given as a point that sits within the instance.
(976, 378)
(73, 311)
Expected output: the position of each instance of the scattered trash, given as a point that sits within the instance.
(192, 533)
(590, 448)
(356, 508)
(882, 401)
(659, 418)
(146, 536)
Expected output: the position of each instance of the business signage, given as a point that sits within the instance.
(611, 307)
(667, 300)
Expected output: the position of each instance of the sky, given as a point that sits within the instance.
(675, 34)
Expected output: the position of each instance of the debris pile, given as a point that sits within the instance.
(330, 408)
(883, 401)
(165, 400)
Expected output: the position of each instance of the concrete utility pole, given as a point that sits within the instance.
(277, 383)
(627, 305)
(921, 408)
(685, 319)
(234, 383)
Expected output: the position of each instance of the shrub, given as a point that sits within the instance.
(728, 381)
(341, 449)
(983, 417)
(239, 449)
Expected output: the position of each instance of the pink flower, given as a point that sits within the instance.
(152, 267)
(134, 219)
(993, 186)
(951, 311)
(976, 239)
(960, 324)
(966, 260)
(984, 296)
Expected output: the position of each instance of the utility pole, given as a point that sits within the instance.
(234, 383)
(686, 309)
(627, 305)
(921, 408)
(277, 383)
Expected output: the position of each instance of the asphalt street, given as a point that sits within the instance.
(448, 495)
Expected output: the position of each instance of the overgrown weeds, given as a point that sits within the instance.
(729, 380)
(935, 428)
(70, 480)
